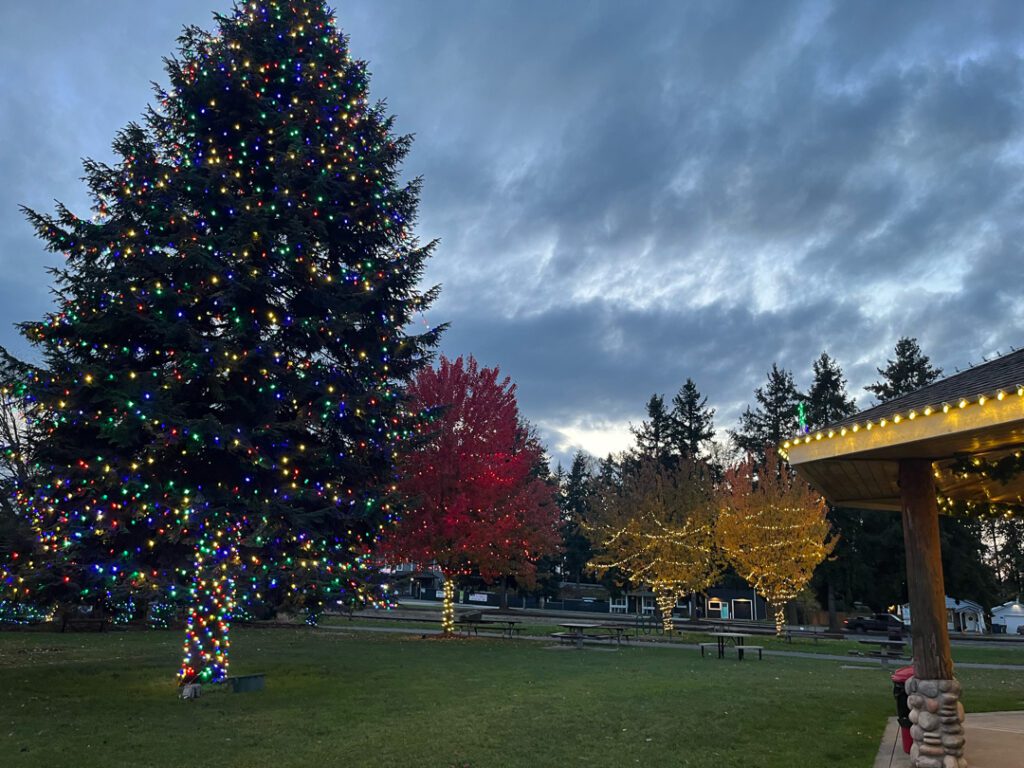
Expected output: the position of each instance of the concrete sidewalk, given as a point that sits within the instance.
(994, 740)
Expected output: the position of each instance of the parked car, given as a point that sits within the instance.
(876, 622)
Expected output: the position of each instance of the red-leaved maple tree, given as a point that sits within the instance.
(476, 499)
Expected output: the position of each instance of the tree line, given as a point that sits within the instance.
(983, 559)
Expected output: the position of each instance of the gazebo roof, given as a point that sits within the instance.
(978, 413)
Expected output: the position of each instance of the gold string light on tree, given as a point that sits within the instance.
(773, 530)
(657, 528)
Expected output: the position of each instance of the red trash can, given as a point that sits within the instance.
(899, 691)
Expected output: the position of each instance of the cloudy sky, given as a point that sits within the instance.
(627, 193)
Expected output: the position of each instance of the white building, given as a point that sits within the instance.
(1009, 615)
(964, 616)
(961, 616)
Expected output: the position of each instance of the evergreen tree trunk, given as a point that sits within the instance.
(212, 602)
(995, 551)
(666, 601)
(141, 614)
(448, 606)
(833, 617)
(790, 609)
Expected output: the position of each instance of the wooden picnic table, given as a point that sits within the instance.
(577, 630)
(887, 648)
(508, 626)
(736, 637)
(621, 631)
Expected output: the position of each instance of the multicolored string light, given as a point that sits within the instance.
(220, 398)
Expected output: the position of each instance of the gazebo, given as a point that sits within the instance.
(954, 446)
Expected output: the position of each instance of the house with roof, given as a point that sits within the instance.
(1009, 617)
(964, 616)
(961, 615)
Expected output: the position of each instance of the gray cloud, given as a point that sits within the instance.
(630, 194)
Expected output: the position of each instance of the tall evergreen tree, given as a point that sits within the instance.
(881, 548)
(828, 402)
(1011, 551)
(574, 497)
(774, 419)
(609, 469)
(654, 435)
(827, 399)
(964, 567)
(692, 421)
(911, 369)
(221, 379)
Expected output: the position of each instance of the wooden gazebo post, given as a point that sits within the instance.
(938, 441)
(933, 692)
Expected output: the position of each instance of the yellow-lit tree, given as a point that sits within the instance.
(656, 527)
(773, 530)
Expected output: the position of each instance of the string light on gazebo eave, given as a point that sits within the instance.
(897, 418)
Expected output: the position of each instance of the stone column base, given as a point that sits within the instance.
(938, 723)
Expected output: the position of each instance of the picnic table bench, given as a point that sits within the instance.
(816, 636)
(737, 638)
(507, 625)
(246, 683)
(577, 633)
(741, 648)
(619, 632)
(470, 622)
(887, 648)
(473, 621)
(94, 623)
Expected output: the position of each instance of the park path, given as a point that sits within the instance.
(675, 646)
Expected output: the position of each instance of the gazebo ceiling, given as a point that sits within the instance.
(977, 413)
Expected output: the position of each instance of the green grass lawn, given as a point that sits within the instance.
(336, 698)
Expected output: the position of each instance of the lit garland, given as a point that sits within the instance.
(123, 611)
(902, 417)
(211, 606)
(1001, 470)
(448, 607)
(160, 614)
(22, 614)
